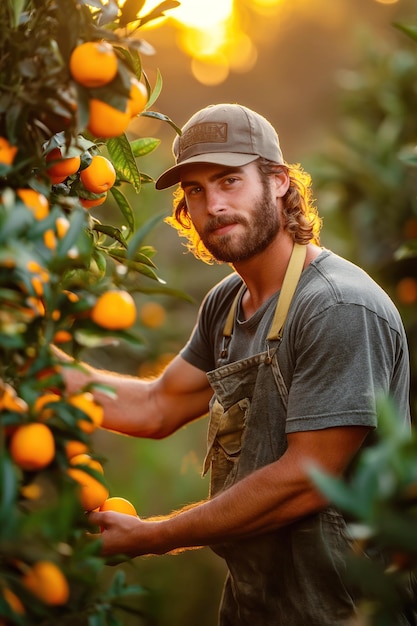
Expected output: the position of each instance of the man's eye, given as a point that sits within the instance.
(193, 190)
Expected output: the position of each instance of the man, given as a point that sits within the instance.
(289, 353)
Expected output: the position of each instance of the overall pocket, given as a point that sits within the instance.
(224, 443)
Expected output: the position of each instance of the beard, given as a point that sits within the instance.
(260, 229)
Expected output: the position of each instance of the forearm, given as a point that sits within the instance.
(153, 408)
(251, 507)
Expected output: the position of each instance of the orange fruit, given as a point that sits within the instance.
(74, 448)
(61, 225)
(34, 201)
(92, 492)
(107, 121)
(152, 314)
(99, 176)
(61, 167)
(7, 152)
(10, 401)
(47, 582)
(407, 290)
(32, 446)
(85, 402)
(93, 63)
(120, 505)
(138, 97)
(89, 203)
(13, 601)
(39, 407)
(49, 239)
(62, 336)
(115, 309)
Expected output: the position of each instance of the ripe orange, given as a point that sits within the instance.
(61, 224)
(61, 167)
(7, 152)
(99, 176)
(85, 402)
(32, 446)
(47, 582)
(92, 492)
(41, 412)
(138, 97)
(115, 309)
(62, 336)
(34, 201)
(120, 505)
(13, 601)
(93, 63)
(152, 314)
(9, 400)
(74, 448)
(89, 203)
(107, 121)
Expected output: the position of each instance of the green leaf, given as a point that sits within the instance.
(78, 221)
(16, 8)
(130, 11)
(144, 145)
(8, 487)
(111, 231)
(123, 160)
(338, 493)
(159, 11)
(410, 30)
(163, 118)
(156, 90)
(125, 208)
(137, 239)
(121, 254)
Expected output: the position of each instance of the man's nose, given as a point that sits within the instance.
(214, 202)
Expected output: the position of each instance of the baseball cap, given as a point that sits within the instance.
(222, 134)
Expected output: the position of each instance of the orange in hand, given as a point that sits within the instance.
(118, 504)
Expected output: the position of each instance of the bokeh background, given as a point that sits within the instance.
(337, 80)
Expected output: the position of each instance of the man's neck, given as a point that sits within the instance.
(264, 274)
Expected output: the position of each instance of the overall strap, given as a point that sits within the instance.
(289, 285)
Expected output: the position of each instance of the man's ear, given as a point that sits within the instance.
(281, 181)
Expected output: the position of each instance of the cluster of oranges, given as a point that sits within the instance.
(32, 447)
(95, 64)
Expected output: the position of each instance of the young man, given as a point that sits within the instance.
(289, 355)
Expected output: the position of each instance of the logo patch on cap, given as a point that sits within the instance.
(206, 132)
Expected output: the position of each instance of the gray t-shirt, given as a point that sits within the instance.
(343, 344)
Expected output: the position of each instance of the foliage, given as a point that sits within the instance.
(381, 498)
(368, 184)
(366, 176)
(56, 259)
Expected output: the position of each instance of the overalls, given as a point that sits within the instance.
(292, 576)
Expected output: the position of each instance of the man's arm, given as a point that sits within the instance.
(271, 497)
(151, 408)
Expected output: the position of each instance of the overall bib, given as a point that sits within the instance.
(292, 576)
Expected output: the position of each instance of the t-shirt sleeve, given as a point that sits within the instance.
(344, 358)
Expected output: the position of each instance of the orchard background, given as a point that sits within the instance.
(79, 219)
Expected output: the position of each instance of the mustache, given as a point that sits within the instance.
(218, 222)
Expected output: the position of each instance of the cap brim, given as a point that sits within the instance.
(172, 176)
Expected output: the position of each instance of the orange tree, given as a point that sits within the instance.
(71, 81)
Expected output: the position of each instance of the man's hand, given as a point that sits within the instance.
(120, 533)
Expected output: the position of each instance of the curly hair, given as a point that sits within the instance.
(300, 216)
